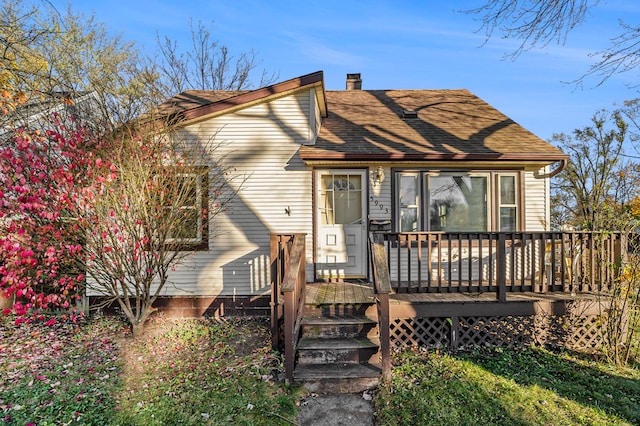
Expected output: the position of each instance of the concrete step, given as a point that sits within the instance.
(338, 377)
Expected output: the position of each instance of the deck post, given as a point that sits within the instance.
(385, 336)
(620, 250)
(501, 264)
(274, 245)
(382, 288)
(293, 288)
(289, 335)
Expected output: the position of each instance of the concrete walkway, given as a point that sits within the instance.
(333, 410)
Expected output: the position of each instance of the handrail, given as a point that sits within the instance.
(293, 288)
(381, 288)
(279, 255)
(381, 280)
(296, 261)
(502, 262)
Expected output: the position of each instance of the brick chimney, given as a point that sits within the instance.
(354, 82)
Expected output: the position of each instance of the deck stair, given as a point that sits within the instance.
(338, 351)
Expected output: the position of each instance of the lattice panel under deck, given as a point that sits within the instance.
(509, 331)
(425, 332)
(572, 332)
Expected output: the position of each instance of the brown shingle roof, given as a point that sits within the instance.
(366, 125)
(195, 98)
(450, 124)
(198, 104)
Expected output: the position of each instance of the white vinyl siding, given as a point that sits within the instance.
(536, 201)
(380, 205)
(261, 142)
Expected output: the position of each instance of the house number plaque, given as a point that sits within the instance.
(379, 204)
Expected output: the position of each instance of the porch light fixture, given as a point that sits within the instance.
(378, 176)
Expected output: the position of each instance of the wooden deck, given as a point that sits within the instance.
(339, 293)
(354, 293)
(445, 304)
(529, 300)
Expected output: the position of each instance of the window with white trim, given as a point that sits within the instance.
(507, 203)
(455, 201)
(189, 210)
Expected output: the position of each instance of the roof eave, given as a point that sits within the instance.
(315, 80)
(400, 156)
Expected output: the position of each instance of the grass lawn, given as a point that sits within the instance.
(184, 372)
(223, 373)
(504, 387)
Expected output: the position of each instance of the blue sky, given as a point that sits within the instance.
(396, 45)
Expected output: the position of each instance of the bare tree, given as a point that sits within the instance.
(156, 209)
(596, 183)
(536, 23)
(623, 55)
(207, 65)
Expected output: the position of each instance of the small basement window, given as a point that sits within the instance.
(409, 113)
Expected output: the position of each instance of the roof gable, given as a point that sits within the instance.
(199, 104)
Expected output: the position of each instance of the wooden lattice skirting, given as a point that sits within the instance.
(584, 333)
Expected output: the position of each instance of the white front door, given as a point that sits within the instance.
(340, 224)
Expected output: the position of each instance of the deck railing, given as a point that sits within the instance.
(464, 262)
(288, 287)
(502, 262)
(381, 289)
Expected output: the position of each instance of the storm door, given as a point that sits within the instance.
(340, 224)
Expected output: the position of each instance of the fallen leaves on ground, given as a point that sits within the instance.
(179, 371)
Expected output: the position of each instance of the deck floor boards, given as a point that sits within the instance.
(357, 293)
(340, 292)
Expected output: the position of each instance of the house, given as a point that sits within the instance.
(327, 163)
(38, 110)
(460, 190)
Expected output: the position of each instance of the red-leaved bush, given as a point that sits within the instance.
(47, 178)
